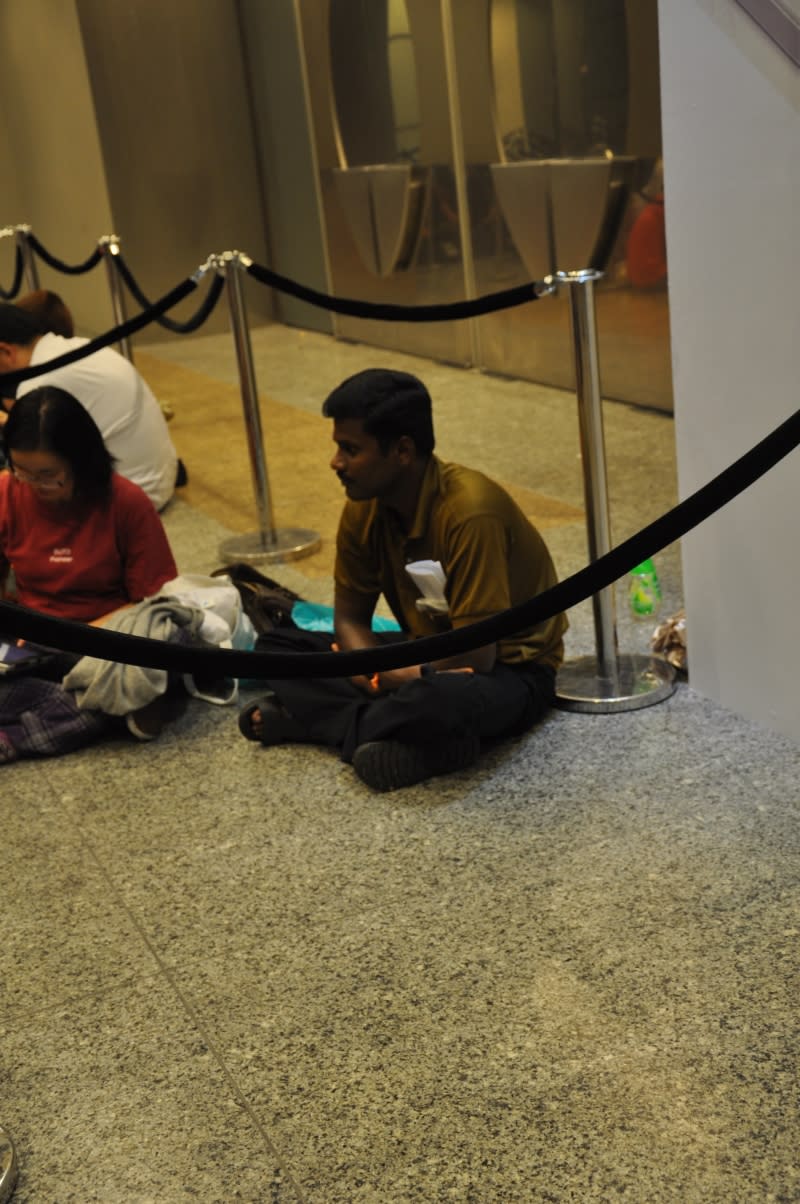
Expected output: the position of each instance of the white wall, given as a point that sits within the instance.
(731, 117)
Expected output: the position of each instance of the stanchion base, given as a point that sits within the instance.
(291, 543)
(8, 1166)
(640, 681)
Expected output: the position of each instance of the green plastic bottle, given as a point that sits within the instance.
(644, 591)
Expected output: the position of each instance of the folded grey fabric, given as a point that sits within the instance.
(119, 689)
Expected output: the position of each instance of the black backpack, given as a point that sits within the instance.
(267, 603)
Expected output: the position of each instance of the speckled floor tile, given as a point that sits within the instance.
(569, 974)
(437, 1067)
(119, 1100)
(62, 937)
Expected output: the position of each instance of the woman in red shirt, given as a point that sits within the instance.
(82, 542)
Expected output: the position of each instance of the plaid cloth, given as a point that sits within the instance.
(39, 718)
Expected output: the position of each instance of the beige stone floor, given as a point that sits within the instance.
(230, 973)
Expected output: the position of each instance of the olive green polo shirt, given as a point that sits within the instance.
(492, 556)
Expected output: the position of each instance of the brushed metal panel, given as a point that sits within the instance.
(523, 193)
(397, 205)
(278, 88)
(417, 228)
(353, 188)
(177, 137)
(580, 192)
(425, 23)
(384, 206)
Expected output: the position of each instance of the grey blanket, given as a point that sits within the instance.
(119, 689)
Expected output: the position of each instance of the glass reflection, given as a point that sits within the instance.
(374, 82)
(561, 77)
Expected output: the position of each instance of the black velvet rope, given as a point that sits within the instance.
(76, 269)
(133, 650)
(397, 313)
(10, 380)
(204, 311)
(17, 281)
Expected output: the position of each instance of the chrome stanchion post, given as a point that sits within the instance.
(30, 272)
(267, 543)
(595, 485)
(607, 681)
(109, 246)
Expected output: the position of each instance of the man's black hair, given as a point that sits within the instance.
(390, 404)
(18, 326)
(52, 420)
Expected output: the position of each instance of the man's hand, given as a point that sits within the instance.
(392, 679)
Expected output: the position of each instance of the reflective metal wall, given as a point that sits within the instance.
(175, 127)
(464, 146)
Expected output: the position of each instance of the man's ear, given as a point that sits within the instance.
(8, 356)
(406, 449)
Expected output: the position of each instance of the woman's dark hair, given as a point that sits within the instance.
(51, 420)
(49, 311)
(390, 404)
(18, 326)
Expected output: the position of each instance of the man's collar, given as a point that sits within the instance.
(431, 486)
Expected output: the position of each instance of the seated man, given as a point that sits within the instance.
(109, 387)
(405, 505)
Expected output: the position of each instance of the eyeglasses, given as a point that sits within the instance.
(48, 478)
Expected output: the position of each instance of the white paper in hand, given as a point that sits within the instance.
(429, 578)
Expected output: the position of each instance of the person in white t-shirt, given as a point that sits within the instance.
(107, 385)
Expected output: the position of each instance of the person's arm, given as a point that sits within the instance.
(353, 626)
(478, 660)
(352, 619)
(477, 586)
(353, 611)
(147, 557)
(101, 620)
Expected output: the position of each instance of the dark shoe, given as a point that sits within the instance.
(181, 475)
(391, 765)
(277, 725)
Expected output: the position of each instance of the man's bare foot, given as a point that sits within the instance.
(267, 722)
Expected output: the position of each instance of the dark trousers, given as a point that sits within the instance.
(429, 710)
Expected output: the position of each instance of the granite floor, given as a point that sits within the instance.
(570, 974)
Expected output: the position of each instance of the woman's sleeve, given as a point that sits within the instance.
(147, 560)
(5, 567)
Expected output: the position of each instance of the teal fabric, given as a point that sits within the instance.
(314, 616)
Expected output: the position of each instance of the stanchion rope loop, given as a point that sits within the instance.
(10, 380)
(16, 283)
(58, 264)
(401, 313)
(202, 313)
(451, 311)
